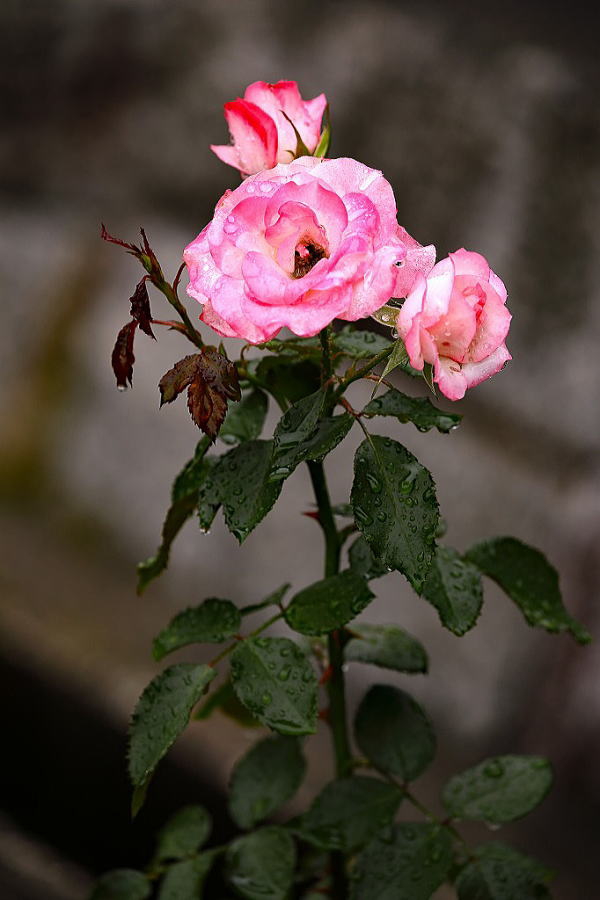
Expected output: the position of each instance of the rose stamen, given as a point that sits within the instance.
(306, 256)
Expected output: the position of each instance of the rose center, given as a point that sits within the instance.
(306, 255)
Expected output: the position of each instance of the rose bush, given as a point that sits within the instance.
(300, 245)
(456, 319)
(262, 135)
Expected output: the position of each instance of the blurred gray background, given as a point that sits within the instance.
(486, 123)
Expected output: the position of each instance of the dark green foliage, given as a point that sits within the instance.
(240, 483)
(184, 494)
(528, 578)
(277, 684)
(184, 880)
(325, 438)
(499, 790)
(224, 698)
(347, 813)
(395, 507)
(212, 622)
(454, 587)
(328, 604)
(411, 864)
(359, 344)
(386, 646)
(363, 562)
(245, 420)
(265, 778)
(184, 833)
(161, 714)
(121, 884)
(418, 410)
(500, 873)
(289, 379)
(394, 733)
(260, 865)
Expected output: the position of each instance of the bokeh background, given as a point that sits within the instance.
(486, 122)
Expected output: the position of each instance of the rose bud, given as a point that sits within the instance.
(261, 134)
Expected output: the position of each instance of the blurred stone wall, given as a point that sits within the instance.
(488, 128)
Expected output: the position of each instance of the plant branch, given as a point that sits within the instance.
(363, 372)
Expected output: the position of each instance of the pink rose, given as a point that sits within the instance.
(261, 134)
(456, 319)
(298, 246)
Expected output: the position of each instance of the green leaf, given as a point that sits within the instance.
(329, 433)
(225, 699)
(362, 561)
(295, 346)
(499, 790)
(418, 410)
(411, 864)
(208, 499)
(530, 581)
(184, 494)
(273, 599)
(184, 833)
(275, 681)
(245, 419)
(184, 880)
(501, 873)
(161, 714)
(386, 646)
(394, 733)
(289, 379)
(347, 813)
(328, 604)
(240, 483)
(260, 866)
(453, 586)
(264, 779)
(212, 622)
(294, 427)
(395, 506)
(121, 884)
(359, 344)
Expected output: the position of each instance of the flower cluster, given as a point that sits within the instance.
(304, 240)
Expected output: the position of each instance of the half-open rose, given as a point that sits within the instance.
(262, 125)
(298, 246)
(456, 319)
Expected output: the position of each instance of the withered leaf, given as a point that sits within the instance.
(207, 406)
(211, 380)
(178, 378)
(122, 358)
(140, 308)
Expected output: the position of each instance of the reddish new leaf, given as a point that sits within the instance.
(122, 358)
(207, 406)
(178, 378)
(140, 308)
(211, 380)
(131, 248)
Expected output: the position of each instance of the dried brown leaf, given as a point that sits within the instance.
(178, 378)
(122, 358)
(140, 308)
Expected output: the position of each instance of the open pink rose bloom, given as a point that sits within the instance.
(261, 130)
(300, 245)
(456, 319)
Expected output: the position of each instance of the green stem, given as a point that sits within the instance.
(361, 373)
(171, 295)
(335, 685)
